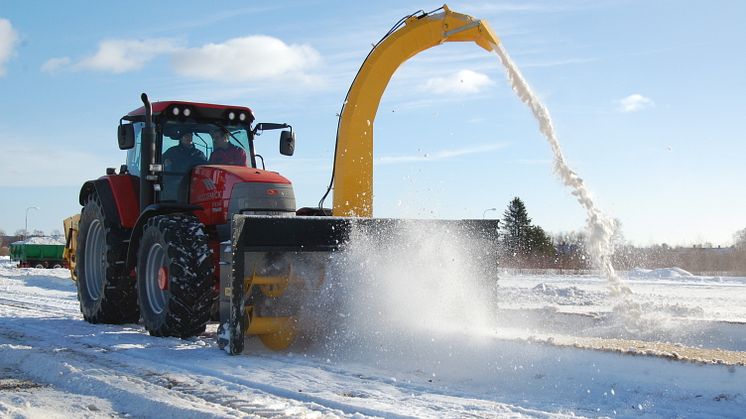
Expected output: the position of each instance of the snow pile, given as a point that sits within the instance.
(659, 273)
(56, 240)
(564, 295)
(5, 261)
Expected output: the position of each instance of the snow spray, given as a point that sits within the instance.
(600, 227)
(412, 286)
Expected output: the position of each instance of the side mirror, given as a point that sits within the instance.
(287, 143)
(126, 136)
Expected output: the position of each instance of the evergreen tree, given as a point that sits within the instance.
(538, 242)
(515, 228)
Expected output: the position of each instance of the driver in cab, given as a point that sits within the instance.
(183, 156)
(225, 152)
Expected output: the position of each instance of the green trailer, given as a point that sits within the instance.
(37, 255)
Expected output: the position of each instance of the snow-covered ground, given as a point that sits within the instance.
(557, 346)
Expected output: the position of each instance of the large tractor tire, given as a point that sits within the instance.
(106, 292)
(175, 276)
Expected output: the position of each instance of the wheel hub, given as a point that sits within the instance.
(163, 278)
(156, 278)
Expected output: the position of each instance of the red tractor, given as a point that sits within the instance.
(149, 235)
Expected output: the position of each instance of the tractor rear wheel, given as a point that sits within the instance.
(105, 291)
(175, 276)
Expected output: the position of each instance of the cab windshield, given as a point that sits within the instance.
(200, 140)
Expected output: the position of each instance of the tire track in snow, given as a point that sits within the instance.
(46, 309)
(205, 394)
(241, 395)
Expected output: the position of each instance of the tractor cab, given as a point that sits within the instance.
(188, 135)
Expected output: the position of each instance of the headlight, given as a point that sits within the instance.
(187, 111)
(231, 115)
(242, 116)
(175, 111)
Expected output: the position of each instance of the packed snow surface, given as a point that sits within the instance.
(532, 359)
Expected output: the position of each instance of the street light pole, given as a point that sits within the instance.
(25, 230)
(484, 213)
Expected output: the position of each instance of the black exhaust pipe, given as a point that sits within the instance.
(147, 156)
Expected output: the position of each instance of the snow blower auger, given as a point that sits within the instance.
(272, 265)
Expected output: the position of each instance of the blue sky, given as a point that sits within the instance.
(647, 98)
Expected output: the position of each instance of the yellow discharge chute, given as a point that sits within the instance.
(353, 160)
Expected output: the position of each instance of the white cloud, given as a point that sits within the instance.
(124, 55)
(244, 59)
(8, 41)
(238, 59)
(439, 155)
(463, 82)
(115, 56)
(54, 65)
(635, 102)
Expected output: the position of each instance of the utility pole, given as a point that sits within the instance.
(25, 230)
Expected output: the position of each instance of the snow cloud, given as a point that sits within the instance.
(245, 59)
(8, 41)
(634, 102)
(463, 82)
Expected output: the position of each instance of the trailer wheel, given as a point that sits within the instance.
(175, 276)
(105, 291)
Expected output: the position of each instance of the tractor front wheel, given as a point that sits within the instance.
(175, 276)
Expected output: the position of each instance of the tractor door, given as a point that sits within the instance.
(133, 154)
(183, 147)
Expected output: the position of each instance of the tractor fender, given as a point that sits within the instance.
(118, 195)
(150, 212)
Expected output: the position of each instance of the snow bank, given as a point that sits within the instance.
(661, 273)
(561, 295)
